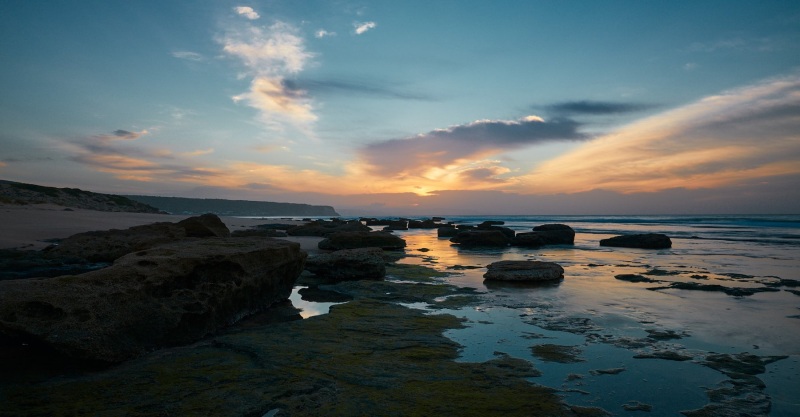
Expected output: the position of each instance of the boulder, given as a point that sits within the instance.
(108, 245)
(349, 264)
(529, 240)
(556, 234)
(529, 271)
(447, 231)
(481, 238)
(353, 240)
(642, 241)
(170, 295)
(322, 228)
(258, 232)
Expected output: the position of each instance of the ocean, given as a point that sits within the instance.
(726, 295)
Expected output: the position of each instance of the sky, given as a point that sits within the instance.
(410, 107)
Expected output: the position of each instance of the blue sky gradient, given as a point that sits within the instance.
(410, 107)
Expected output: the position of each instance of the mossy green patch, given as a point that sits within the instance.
(557, 353)
(366, 357)
(417, 273)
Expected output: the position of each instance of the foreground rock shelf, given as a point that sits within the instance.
(165, 296)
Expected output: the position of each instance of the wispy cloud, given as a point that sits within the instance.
(588, 107)
(458, 145)
(188, 55)
(363, 27)
(322, 33)
(357, 86)
(247, 12)
(743, 134)
(270, 54)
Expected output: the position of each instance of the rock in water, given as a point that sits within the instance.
(642, 241)
(349, 264)
(556, 234)
(530, 271)
(481, 238)
(108, 245)
(353, 240)
(169, 295)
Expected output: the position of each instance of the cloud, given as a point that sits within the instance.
(358, 86)
(459, 145)
(270, 55)
(247, 12)
(363, 27)
(124, 134)
(735, 43)
(742, 134)
(588, 107)
(187, 55)
(322, 33)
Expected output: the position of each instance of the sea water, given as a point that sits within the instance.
(602, 317)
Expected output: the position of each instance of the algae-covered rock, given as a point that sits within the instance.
(529, 271)
(353, 240)
(642, 241)
(169, 295)
(349, 264)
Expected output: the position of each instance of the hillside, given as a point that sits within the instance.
(19, 193)
(181, 205)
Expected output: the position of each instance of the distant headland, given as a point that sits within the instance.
(20, 193)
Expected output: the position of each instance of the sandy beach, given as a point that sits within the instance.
(30, 226)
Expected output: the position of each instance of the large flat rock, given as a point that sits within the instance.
(164, 296)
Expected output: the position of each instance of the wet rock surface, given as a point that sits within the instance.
(641, 241)
(165, 296)
(527, 271)
(349, 264)
(354, 240)
(477, 238)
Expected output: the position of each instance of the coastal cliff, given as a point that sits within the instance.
(181, 205)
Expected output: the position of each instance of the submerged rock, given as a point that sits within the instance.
(170, 295)
(481, 238)
(353, 240)
(530, 271)
(349, 264)
(641, 241)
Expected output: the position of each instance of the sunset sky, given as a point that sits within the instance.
(410, 107)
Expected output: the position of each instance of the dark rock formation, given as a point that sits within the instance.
(530, 240)
(353, 240)
(258, 232)
(447, 231)
(481, 238)
(556, 234)
(530, 271)
(349, 264)
(642, 241)
(170, 295)
(108, 245)
(322, 228)
(18, 264)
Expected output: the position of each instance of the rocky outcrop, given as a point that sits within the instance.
(481, 238)
(108, 245)
(170, 295)
(528, 240)
(529, 271)
(556, 234)
(642, 241)
(323, 228)
(353, 240)
(349, 264)
(20, 193)
(447, 231)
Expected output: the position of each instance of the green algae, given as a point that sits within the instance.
(417, 273)
(557, 353)
(366, 357)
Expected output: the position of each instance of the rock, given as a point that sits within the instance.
(108, 245)
(447, 231)
(642, 241)
(531, 271)
(258, 232)
(18, 264)
(353, 240)
(170, 295)
(530, 240)
(322, 228)
(481, 238)
(556, 234)
(349, 264)
(423, 224)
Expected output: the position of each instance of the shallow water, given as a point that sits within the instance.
(598, 314)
